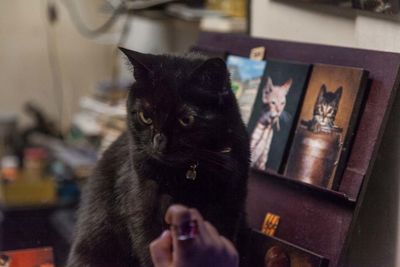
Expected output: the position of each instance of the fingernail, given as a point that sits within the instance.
(164, 233)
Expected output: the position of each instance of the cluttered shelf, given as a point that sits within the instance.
(42, 167)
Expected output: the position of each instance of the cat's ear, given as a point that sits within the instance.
(141, 63)
(267, 89)
(286, 86)
(338, 92)
(321, 94)
(323, 89)
(211, 75)
(269, 86)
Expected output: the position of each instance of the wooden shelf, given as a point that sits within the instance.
(308, 188)
(312, 217)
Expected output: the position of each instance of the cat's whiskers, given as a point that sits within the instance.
(216, 158)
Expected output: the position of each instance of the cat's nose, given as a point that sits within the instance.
(159, 142)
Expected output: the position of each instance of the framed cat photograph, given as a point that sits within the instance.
(275, 111)
(269, 251)
(246, 76)
(326, 125)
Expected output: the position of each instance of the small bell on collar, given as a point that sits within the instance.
(191, 173)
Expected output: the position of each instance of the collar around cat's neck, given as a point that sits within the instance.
(191, 173)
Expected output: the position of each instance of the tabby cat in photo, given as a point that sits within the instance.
(325, 110)
(185, 143)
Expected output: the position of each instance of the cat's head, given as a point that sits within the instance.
(274, 96)
(326, 106)
(180, 108)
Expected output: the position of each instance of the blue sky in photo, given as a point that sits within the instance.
(249, 69)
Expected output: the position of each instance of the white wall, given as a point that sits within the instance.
(324, 25)
(158, 34)
(376, 238)
(25, 72)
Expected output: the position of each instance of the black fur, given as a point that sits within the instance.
(123, 208)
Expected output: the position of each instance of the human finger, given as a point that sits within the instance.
(185, 223)
(211, 234)
(231, 251)
(177, 213)
(161, 250)
(202, 230)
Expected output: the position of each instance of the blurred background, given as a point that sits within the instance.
(63, 83)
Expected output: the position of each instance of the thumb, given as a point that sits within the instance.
(161, 250)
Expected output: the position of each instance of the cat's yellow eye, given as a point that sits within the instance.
(143, 118)
(186, 120)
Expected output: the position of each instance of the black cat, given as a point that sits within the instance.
(185, 143)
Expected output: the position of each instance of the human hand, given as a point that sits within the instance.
(205, 247)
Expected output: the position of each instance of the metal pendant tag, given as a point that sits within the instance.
(191, 174)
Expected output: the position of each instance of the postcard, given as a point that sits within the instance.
(245, 79)
(275, 112)
(326, 125)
